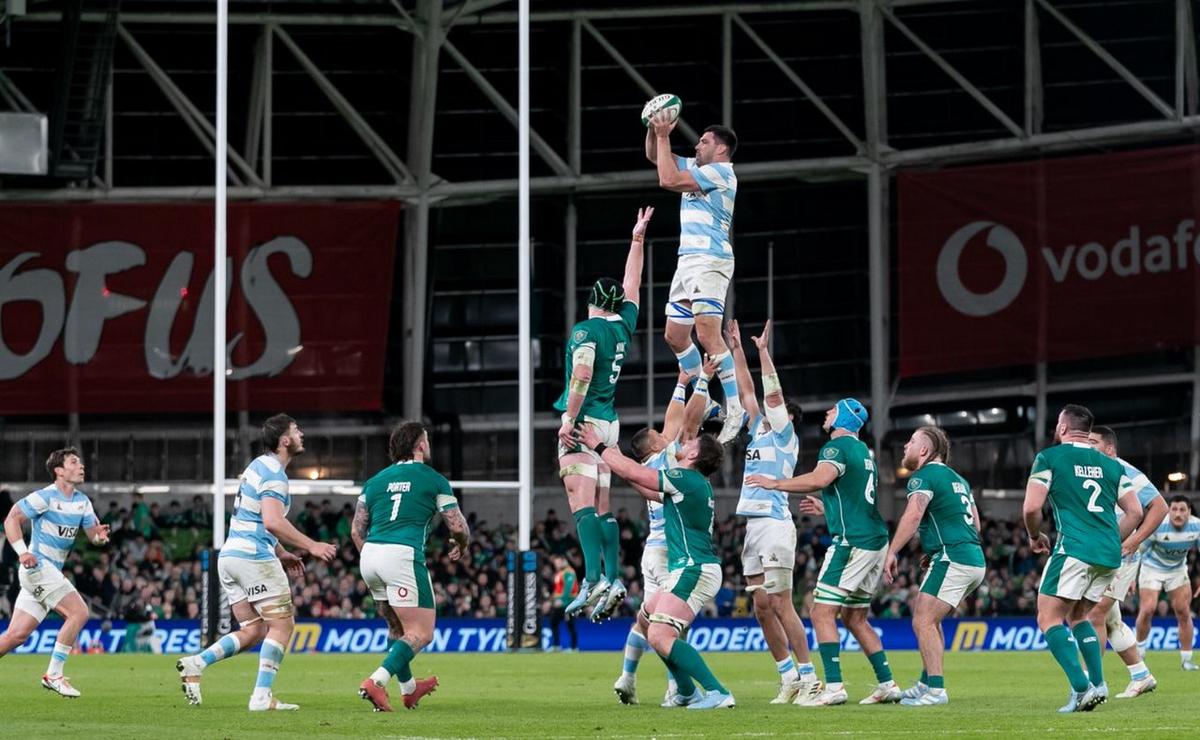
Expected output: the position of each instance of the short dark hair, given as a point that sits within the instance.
(1107, 434)
(403, 441)
(1078, 418)
(710, 454)
(274, 428)
(58, 458)
(640, 446)
(1179, 497)
(793, 409)
(725, 135)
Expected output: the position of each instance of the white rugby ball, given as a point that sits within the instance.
(668, 102)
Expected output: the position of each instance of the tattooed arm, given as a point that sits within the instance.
(360, 525)
(459, 531)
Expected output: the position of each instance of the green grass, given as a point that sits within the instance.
(566, 695)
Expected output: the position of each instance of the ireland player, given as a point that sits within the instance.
(1164, 568)
(1106, 616)
(1084, 487)
(708, 188)
(769, 552)
(658, 451)
(695, 567)
(252, 567)
(941, 507)
(853, 567)
(391, 524)
(595, 352)
(55, 515)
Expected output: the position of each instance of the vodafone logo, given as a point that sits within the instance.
(949, 279)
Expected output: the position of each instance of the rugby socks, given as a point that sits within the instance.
(1089, 645)
(935, 682)
(883, 671)
(1185, 656)
(689, 662)
(806, 670)
(1065, 651)
(924, 677)
(590, 539)
(1138, 671)
(832, 661)
(728, 380)
(787, 670)
(610, 531)
(58, 659)
(689, 360)
(635, 645)
(269, 659)
(226, 647)
(397, 664)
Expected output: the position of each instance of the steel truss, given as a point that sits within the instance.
(869, 156)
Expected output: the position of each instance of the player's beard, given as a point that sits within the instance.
(912, 462)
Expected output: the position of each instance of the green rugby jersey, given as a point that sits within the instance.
(1083, 486)
(402, 500)
(687, 517)
(948, 528)
(850, 509)
(609, 337)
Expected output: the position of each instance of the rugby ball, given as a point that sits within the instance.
(668, 102)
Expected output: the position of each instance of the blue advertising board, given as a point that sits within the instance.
(488, 635)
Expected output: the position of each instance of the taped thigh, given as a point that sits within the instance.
(679, 313)
(777, 580)
(587, 470)
(679, 625)
(604, 479)
(708, 307)
(275, 607)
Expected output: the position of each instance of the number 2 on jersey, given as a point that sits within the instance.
(1094, 487)
(396, 505)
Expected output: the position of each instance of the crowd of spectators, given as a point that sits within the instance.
(152, 565)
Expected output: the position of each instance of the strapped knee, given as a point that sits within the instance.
(679, 625)
(1121, 637)
(680, 314)
(777, 580)
(604, 480)
(275, 607)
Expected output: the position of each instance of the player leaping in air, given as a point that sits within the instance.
(595, 352)
(708, 188)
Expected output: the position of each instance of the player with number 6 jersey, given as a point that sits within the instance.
(1084, 487)
(391, 525)
(853, 567)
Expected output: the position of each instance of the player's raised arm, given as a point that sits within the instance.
(632, 283)
(693, 414)
(673, 418)
(773, 400)
(733, 340)
(276, 522)
(821, 477)
(652, 145)
(670, 176)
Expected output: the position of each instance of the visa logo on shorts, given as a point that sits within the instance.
(257, 589)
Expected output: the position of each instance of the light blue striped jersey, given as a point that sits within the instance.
(1168, 547)
(1146, 492)
(248, 538)
(706, 215)
(657, 536)
(772, 454)
(54, 519)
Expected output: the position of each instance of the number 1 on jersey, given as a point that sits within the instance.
(396, 505)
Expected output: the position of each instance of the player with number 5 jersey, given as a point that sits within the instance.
(391, 525)
(853, 567)
(595, 352)
(1084, 487)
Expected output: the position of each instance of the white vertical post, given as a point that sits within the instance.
(525, 378)
(771, 293)
(219, 305)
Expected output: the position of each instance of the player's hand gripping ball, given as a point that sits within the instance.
(665, 102)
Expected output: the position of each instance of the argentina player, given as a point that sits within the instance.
(708, 188)
(252, 567)
(55, 515)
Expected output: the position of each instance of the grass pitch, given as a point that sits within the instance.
(569, 695)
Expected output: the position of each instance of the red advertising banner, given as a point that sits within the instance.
(107, 308)
(1054, 260)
